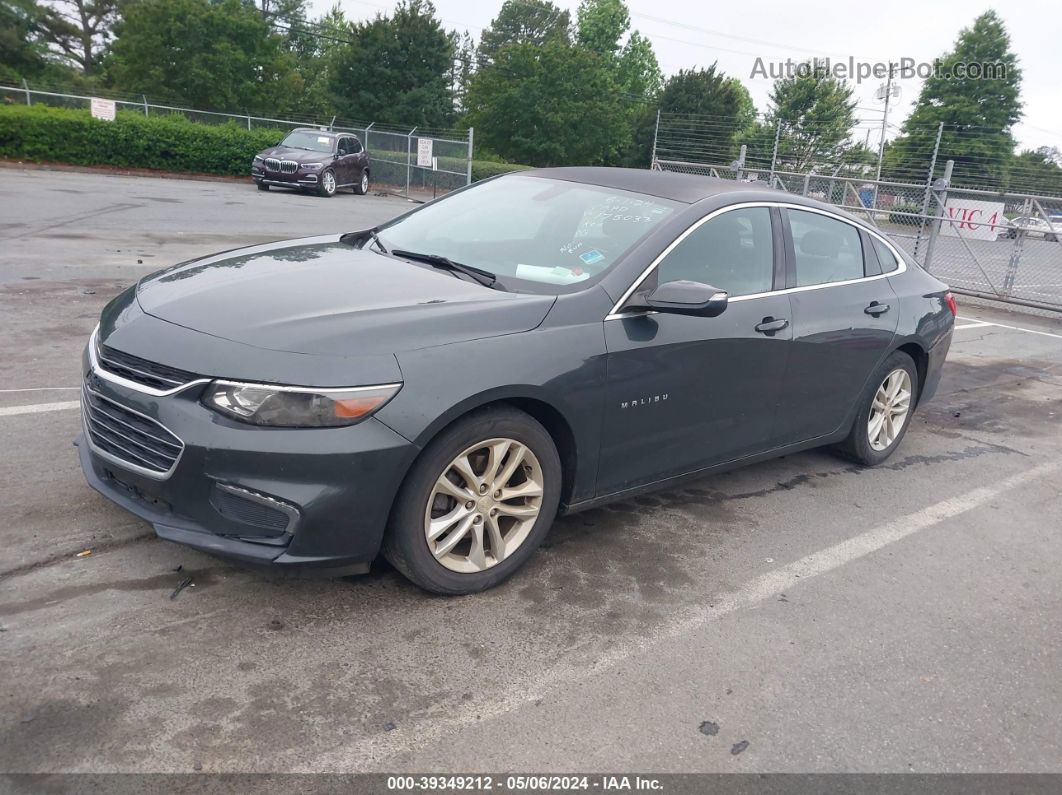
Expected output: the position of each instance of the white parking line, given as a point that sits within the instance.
(762, 588)
(983, 323)
(43, 389)
(38, 408)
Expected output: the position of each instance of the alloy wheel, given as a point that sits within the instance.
(364, 182)
(890, 409)
(483, 506)
(329, 182)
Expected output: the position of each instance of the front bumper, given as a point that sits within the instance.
(336, 485)
(299, 179)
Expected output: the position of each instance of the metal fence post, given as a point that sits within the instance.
(371, 123)
(332, 123)
(248, 122)
(25, 87)
(656, 135)
(409, 157)
(929, 189)
(807, 183)
(739, 164)
(940, 186)
(144, 98)
(774, 154)
(471, 134)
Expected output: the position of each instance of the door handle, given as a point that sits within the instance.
(771, 325)
(876, 309)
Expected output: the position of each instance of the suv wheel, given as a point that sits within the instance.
(363, 187)
(327, 186)
(476, 504)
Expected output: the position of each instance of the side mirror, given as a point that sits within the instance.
(685, 298)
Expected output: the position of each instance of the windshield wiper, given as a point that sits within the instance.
(352, 238)
(486, 278)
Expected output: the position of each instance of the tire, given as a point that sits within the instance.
(420, 506)
(859, 446)
(262, 186)
(361, 188)
(327, 185)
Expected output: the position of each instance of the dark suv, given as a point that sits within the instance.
(313, 159)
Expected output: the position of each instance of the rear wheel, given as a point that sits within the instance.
(476, 504)
(327, 186)
(362, 187)
(884, 412)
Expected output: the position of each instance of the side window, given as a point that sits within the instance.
(827, 250)
(344, 146)
(733, 251)
(885, 256)
(355, 145)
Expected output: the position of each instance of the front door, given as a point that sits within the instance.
(686, 392)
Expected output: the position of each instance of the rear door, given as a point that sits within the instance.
(844, 320)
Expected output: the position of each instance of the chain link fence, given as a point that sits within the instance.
(989, 243)
(408, 160)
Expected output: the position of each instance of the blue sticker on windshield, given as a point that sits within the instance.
(592, 256)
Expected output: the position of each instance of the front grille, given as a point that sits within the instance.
(255, 510)
(283, 166)
(128, 436)
(156, 376)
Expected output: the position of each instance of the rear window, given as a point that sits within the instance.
(885, 256)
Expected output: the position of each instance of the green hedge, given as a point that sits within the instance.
(167, 143)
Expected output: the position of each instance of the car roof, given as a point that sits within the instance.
(686, 188)
(319, 131)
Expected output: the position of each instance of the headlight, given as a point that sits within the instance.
(296, 407)
(259, 159)
(312, 166)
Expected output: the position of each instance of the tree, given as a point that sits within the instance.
(638, 72)
(977, 113)
(524, 22)
(214, 55)
(600, 26)
(718, 108)
(22, 54)
(78, 30)
(397, 69)
(1036, 171)
(816, 112)
(548, 105)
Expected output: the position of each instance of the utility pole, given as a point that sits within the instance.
(884, 124)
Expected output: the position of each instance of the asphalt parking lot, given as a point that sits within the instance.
(798, 615)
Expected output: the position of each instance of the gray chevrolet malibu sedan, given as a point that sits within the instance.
(437, 388)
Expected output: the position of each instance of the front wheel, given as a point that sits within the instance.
(476, 504)
(884, 412)
(262, 186)
(327, 185)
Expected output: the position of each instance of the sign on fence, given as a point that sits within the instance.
(424, 152)
(973, 220)
(102, 108)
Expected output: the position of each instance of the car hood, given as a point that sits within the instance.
(320, 296)
(298, 155)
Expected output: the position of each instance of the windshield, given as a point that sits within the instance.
(535, 234)
(315, 142)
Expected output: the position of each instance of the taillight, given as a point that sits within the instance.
(949, 299)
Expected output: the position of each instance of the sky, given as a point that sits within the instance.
(689, 34)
